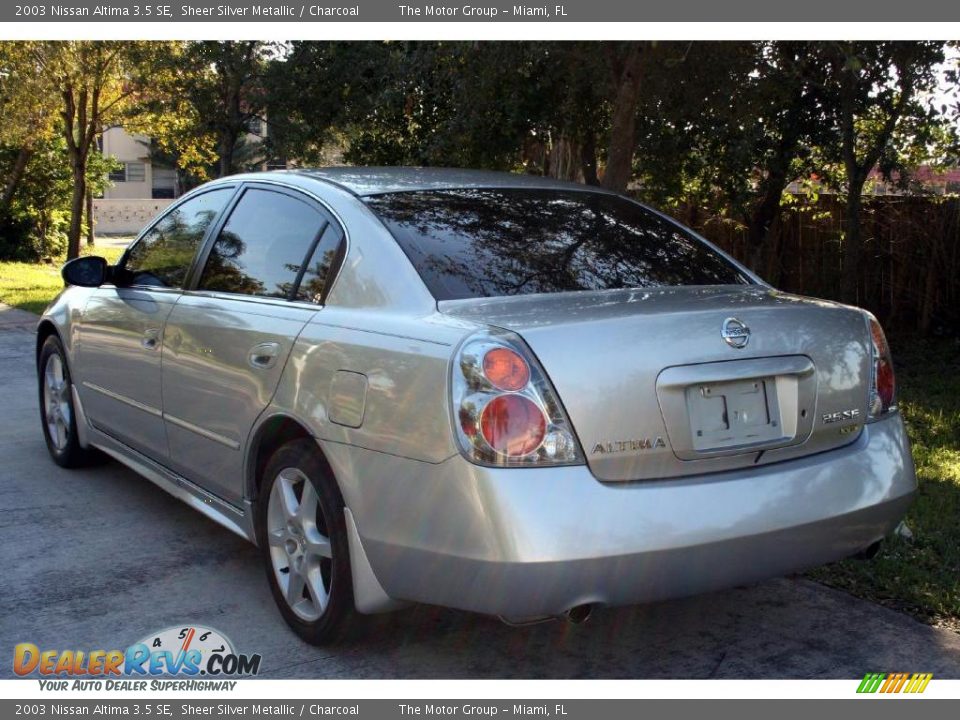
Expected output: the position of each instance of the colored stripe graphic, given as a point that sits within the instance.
(871, 682)
(894, 683)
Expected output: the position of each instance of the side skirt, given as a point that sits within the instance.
(369, 596)
(234, 519)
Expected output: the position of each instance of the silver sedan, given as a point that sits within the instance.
(485, 391)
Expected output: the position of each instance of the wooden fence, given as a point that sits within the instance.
(910, 261)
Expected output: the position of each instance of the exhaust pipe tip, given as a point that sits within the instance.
(870, 552)
(521, 622)
(579, 614)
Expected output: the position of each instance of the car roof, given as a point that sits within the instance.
(365, 181)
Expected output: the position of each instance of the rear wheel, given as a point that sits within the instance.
(57, 413)
(302, 535)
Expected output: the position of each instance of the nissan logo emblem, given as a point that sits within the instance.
(735, 333)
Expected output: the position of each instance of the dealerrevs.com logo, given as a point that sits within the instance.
(201, 656)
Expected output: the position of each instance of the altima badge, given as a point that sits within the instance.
(735, 333)
(619, 446)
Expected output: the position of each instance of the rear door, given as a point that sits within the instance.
(226, 342)
(120, 337)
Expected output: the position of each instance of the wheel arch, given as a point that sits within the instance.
(45, 329)
(273, 431)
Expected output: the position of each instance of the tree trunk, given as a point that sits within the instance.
(16, 175)
(623, 122)
(226, 154)
(850, 250)
(762, 219)
(78, 162)
(588, 159)
(89, 203)
(763, 216)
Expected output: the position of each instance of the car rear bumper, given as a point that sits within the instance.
(531, 542)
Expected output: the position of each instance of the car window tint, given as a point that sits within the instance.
(262, 246)
(162, 257)
(316, 274)
(468, 243)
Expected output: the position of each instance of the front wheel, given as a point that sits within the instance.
(57, 412)
(302, 535)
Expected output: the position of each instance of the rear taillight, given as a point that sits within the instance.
(883, 384)
(506, 412)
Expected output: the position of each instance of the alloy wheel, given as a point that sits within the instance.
(300, 550)
(56, 402)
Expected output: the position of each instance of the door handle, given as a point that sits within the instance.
(151, 338)
(264, 355)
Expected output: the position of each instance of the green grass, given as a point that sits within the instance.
(921, 576)
(31, 286)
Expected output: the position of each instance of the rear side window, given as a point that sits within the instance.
(316, 273)
(469, 243)
(267, 246)
(162, 257)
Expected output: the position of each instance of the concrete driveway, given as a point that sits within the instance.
(99, 558)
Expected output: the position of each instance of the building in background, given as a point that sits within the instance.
(140, 188)
(138, 177)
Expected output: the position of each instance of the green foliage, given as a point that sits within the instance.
(34, 225)
(921, 575)
(201, 98)
(506, 106)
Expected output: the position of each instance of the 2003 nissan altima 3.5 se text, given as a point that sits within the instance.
(486, 391)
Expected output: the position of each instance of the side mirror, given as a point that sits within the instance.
(90, 271)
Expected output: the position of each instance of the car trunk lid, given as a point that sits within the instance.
(679, 381)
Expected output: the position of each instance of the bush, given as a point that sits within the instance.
(35, 224)
(31, 234)
(13, 239)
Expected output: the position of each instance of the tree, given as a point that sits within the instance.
(872, 90)
(320, 92)
(95, 84)
(726, 127)
(625, 63)
(204, 98)
(178, 131)
(782, 113)
(232, 95)
(29, 116)
(542, 106)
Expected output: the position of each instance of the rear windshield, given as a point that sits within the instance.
(469, 243)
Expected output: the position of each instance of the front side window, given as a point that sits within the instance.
(264, 245)
(489, 242)
(162, 257)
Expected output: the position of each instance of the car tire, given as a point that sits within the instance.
(58, 416)
(302, 534)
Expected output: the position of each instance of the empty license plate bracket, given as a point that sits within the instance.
(731, 414)
(732, 407)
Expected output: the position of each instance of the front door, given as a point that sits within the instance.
(120, 337)
(226, 343)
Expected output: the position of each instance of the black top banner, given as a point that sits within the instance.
(484, 11)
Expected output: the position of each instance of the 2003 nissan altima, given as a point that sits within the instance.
(485, 391)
